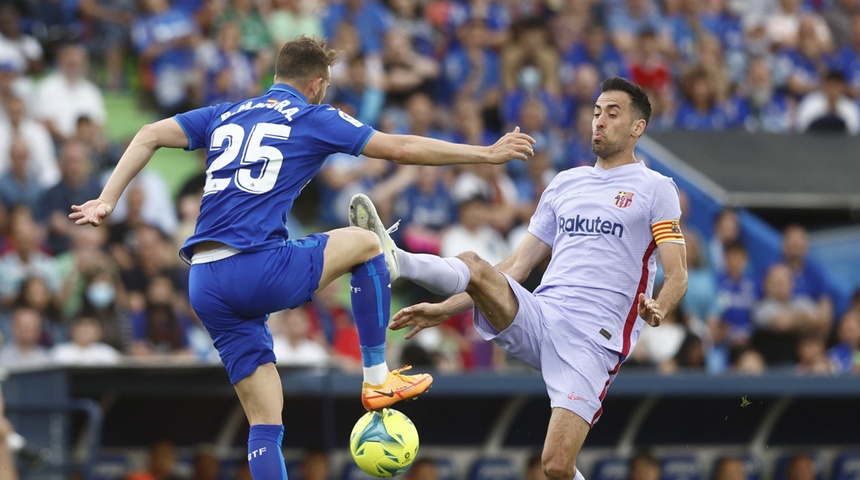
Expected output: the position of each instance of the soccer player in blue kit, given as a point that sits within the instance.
(261, 153)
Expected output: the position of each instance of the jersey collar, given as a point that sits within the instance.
(283, 87)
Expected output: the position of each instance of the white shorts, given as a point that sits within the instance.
(577, 371)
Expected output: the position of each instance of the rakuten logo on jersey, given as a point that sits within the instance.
(580, 226)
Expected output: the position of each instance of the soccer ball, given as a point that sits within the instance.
(383, 443)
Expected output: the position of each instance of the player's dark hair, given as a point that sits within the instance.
(639, 103)
(304, 59)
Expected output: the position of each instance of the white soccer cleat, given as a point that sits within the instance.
(363, 214)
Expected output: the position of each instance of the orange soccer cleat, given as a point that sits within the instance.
(397, 387)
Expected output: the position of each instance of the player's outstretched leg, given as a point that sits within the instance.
(442, 276)
(370, 288)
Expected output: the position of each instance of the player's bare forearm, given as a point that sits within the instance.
(416, 150)
(673, 290)
(673, 256)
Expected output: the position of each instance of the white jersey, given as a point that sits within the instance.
(604, 227)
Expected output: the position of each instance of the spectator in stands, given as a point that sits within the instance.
(148, 200)
(530, 46)
(359, 95)
(8, 469)
(780, 317)
(727, 230)
(746, 360)
(162, 462)
(18, 124)
(24, 258)
(838, 14)
(205, 464)
(700, 108)
(369, 17)
(474, 233)
(649, 66)
(845, 355)
(643, 466)
(701, 301)
(492, 184)
(254, 38)
(470, 70)
(423, 469)
(408, 16)
(229, 73)
(783, 25)
(334, 321)
(424, 208)
(761, 107)
(829, 109)
(315, 465)
(801, 466)
(86, 346)
(406, 71)
(800, 69)
(629, 20)
(161, 328)
(808, 279)
(736, 297)
(534, 469)
(730, 468)
(149, 256)
(76, 185)
(164, 38)
(22, 349)
(19, 185)
(812, 356)
(109, 26)
(342, 176)
(13, 38)
(290, 18)
(659, 347)
(102, 297)
(292, 343)
(848, 58)
(595, 49)
(66, 95)
(36, 295)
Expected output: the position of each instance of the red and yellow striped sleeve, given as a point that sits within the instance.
(667, 231)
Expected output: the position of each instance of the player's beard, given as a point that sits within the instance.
(606, 148)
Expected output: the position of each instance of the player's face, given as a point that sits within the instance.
(611, 125)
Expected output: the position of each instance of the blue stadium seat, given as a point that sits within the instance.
(847, 466)
(610, 468)
(446, 469)
(681, 467)
(495, 468)
(110, 467)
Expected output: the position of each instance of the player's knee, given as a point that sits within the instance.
(364, 244)
(478, 267)
(558, 470)
(557, 466)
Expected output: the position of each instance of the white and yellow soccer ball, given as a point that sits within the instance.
(384, 443)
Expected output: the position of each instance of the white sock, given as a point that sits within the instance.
(578, 475)
(377, 374)
(442, 276)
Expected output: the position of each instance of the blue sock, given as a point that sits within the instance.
(371, 306)
(264, 452)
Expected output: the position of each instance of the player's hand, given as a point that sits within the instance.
(513, 145)
(91, 213)
(419, 317)
(650, 310)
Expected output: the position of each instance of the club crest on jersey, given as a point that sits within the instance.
(623, 199)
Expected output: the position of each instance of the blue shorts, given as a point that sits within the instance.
(544, 334)
(234, 296)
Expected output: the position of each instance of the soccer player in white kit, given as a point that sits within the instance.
(604, 226)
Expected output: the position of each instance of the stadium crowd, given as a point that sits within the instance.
(451, 69)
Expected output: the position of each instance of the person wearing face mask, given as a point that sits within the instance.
(100, 302)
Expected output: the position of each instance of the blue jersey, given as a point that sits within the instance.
(261, 153)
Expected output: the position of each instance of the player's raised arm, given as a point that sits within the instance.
(416, 150)
(164, 133)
